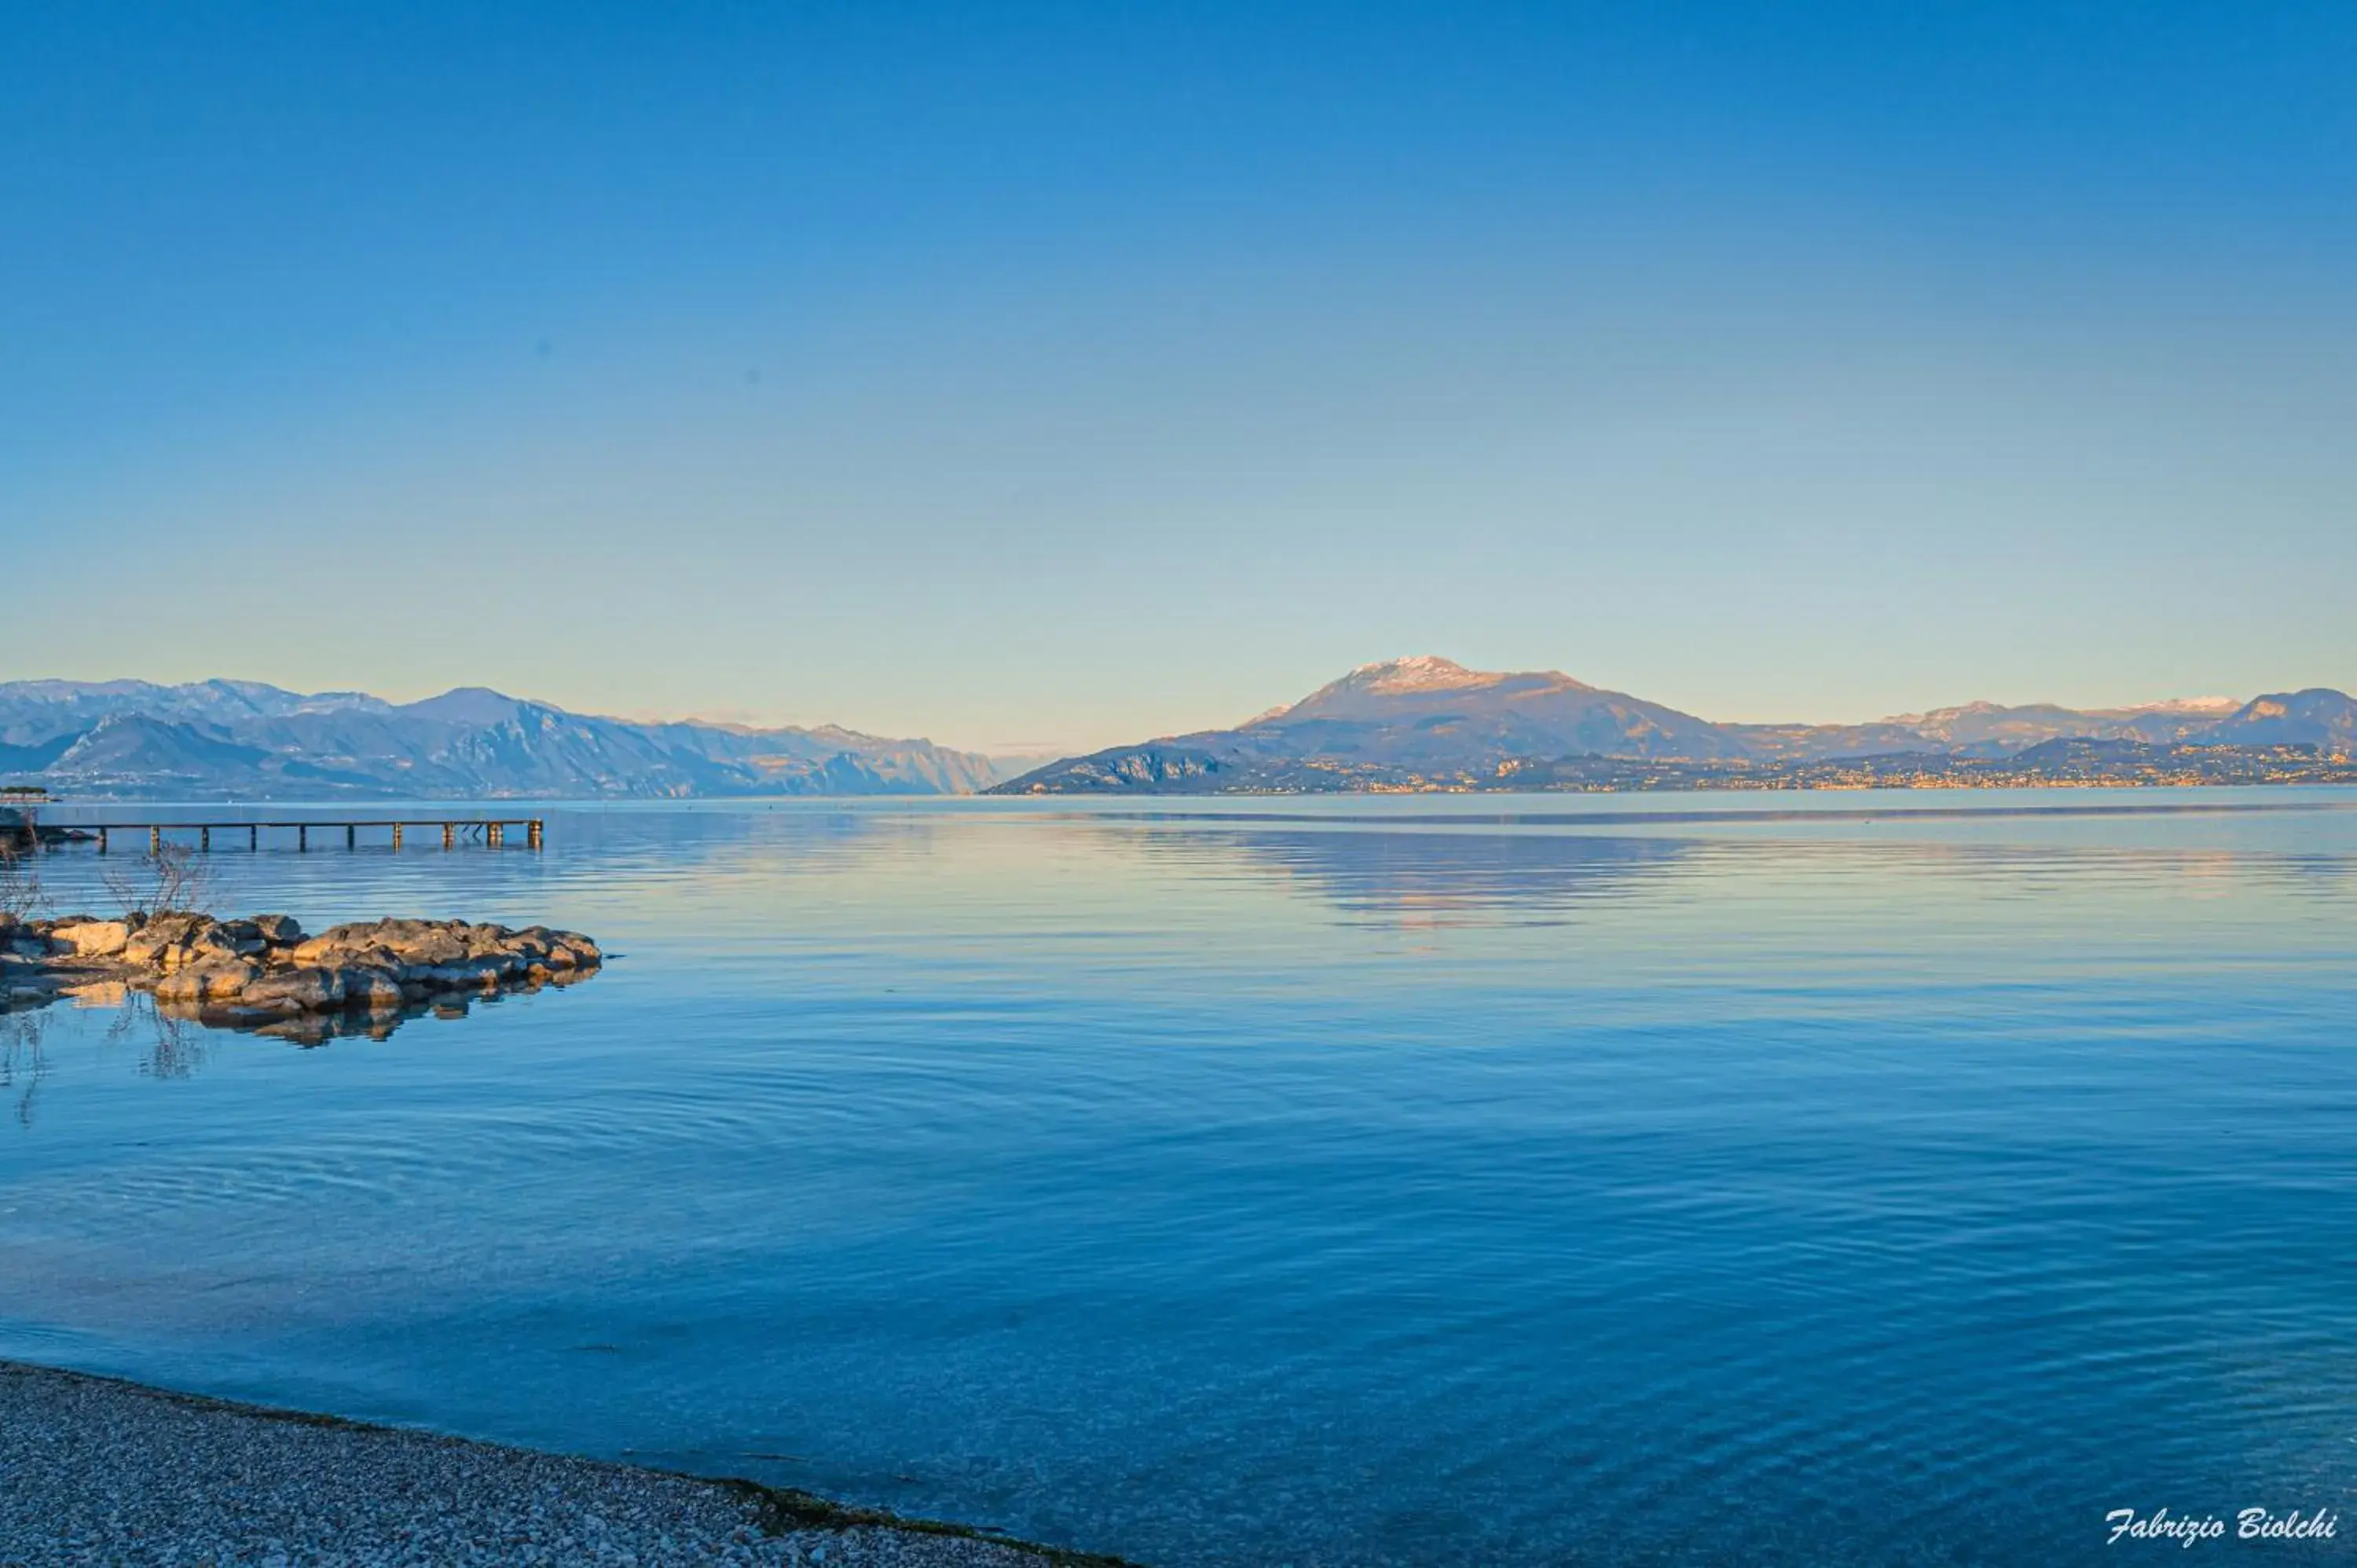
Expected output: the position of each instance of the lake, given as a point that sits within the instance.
(1809, 1179)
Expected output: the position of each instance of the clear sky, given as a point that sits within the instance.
(1049, 376)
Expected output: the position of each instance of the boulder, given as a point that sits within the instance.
(573, 951)
(181, 986)
(207, 944)
(531, 944)
(411, 941)
(208, 982)
(432, 947)
(159, 934)
(93, 939)
(377, 990)
(278, 931)
(380, 959)
(306, 990)
(496, 965)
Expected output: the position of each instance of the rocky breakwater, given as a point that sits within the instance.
(261, 971)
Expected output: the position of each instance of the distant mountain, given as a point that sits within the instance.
(221, 738)
(1403, 723)
(1819, 743)
(1992, 729)
(1429, 724)
(134, 742)
(32, 711)
(1428, 710)
(2319, 716)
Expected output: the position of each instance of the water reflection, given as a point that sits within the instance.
(172, 1047)
(173, 1027)
(1432, 878)
(374, 1022)
(1506, 877)
(24, 1064)
(1115, 1179)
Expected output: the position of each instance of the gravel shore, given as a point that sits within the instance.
(97, 1471)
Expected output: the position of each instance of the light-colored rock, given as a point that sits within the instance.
(210, 943)
(159, 934)
(217, 981)
(93, 939)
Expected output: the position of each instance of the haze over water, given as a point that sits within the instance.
(1825, 1179)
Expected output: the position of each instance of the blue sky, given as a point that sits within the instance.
(1040, 376)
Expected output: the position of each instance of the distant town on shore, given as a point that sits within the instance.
(1400, 725)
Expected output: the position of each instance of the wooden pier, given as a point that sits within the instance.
(491, 832)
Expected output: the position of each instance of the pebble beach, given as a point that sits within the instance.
(94, 1470)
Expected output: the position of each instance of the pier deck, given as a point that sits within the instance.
(490, 832)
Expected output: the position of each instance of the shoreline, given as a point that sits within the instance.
(103, 1468)
(2342, 775)
(1719, 784)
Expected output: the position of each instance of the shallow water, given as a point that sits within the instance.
(1807, 1179)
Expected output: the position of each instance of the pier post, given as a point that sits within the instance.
(253, 837)
(396, 836)
(351, 836)
(303, 838)
(205, 840)
(532, 833)
(492, 831)
(449, 835)
(102, 841)
(155, 840)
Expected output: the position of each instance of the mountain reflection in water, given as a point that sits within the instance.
(1430, 878)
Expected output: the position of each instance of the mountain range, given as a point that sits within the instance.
(1427, 722)
(220, 739)
(1403, 723)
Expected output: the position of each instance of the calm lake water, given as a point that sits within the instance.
(1760, 1178)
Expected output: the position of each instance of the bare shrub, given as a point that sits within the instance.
(21, 894)
(170, 880)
